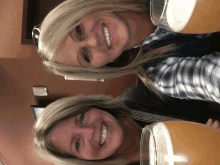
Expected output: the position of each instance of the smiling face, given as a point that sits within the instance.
(102, 37)
(93, 135)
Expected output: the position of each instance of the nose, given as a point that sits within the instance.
(91, 40)
(91, 134)
(88, 132)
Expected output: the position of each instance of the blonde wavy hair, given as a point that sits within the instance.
(63, 109)
(66, 16)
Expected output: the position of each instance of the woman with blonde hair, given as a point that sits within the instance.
(110, 38)
(85, 121)
(89, 130)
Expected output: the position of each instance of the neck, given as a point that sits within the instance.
(130, 148)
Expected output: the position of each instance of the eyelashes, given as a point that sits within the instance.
(84, 51)
(77, 145)
(85, 55)
(79, 30)
(80, 119)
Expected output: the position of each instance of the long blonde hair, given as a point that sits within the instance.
(66, 16)
(66, 108)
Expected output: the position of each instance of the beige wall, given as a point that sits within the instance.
(18, 76)
(10, 30)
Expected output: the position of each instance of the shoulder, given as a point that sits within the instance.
(157, 35)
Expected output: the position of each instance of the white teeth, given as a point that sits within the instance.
(104, 134)
(108, 42)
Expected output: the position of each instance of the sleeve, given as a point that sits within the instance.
(189, 77)
(147, 106)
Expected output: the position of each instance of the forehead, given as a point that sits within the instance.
(60, 134)
(61, 126)
(67, 52)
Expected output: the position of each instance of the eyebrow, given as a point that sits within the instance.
(73, 137)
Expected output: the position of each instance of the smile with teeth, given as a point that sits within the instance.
(104, 134)
(107, 39)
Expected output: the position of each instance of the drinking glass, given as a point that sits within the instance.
(179, 142)
(186, 16)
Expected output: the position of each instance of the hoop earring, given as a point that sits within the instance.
(36, 36)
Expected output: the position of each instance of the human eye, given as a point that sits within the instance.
(81, 119)
(79, 30)
(77, 144)
(85, 55)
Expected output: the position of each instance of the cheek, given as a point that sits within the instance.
(60, 142)
(116, 137)
(114, 143)
(89, 153)
(66, 54)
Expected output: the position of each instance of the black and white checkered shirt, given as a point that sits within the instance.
(187, 77)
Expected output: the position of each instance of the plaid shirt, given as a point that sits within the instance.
(187, 77)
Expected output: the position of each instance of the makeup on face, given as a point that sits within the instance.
(93, 135)
(98, 40)
(102, 37)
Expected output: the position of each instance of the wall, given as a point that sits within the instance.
(10, 29)
(18, 76)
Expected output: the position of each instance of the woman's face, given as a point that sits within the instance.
(93, 135)
(102, 37)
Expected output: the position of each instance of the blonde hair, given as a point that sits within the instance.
(66, 16)
(66, 108)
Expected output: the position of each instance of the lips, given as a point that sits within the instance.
(107, 36)
(104, 134)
